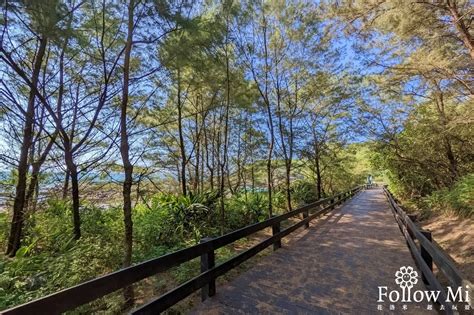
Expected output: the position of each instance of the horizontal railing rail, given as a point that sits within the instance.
(372, 185)
(427, 253)
(91, 290)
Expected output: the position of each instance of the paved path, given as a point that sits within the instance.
(335, 267)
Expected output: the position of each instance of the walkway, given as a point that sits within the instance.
(334, 267)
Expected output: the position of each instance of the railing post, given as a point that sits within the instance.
(412, 217)
(425, 254)
(276, 230)
(208, 262)
(332, 203)
(305, 215)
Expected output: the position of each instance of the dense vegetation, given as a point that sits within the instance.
(131, 129)
(421, 103)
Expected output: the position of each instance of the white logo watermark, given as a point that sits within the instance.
(407, 278)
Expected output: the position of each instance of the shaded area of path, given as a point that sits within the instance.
(333, 267)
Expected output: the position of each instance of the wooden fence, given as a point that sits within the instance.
(73, 297)
(427, 252)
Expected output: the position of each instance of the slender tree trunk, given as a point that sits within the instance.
(270, 177)
(270, 125)
(444, 121)
(252, 173)
(66, 184)
(211, 178)
(201, 177)
(224, 164)
(318, 176)
(453, 165)
(36, 167)
(72, 168)
(181, 138)
(125, 153)
(198, 155)
(209, 164)
(239, 158)
(14, 239)
(283, 146)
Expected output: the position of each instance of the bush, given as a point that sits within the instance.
(170, 221)
(279, 202)
(245, 208)
(459, 199)
(32, 276)
(304, 192)
(4, 229)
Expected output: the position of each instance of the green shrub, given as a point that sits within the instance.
(170, 221)
(4, 229)
(245, 208)
(459, 199)
(304, 192)
(50, 259)
(279, 202)
(32, 276)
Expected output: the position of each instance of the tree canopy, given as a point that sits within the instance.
(151, 124)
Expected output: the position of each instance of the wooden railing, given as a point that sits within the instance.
(369, 186)
(73, 297)
(426, 252)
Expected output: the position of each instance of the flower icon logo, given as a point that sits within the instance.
(406, 277)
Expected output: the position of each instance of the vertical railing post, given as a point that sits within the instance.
(276, 230)
(413, 218)
(332, 203)
(208, 262)
(425, 254)
(305, 215)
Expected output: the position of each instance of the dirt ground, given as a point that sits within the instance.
(456, 236)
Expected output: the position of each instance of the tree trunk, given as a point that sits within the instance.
(453, 165)
(270, 126)
(444, 121)
(209, 164)
(201, 177)
(66, 184)
(72, 168)
(240, 167)
(252, 174)
(14, 239)
(181, 138)
(36, 167)
(224, 165)
(124, 152)
(198, 156)
(318, 177)
(283, 146)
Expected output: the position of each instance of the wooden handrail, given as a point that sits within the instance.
(83, 293)
(442, 260)
(165, 301)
